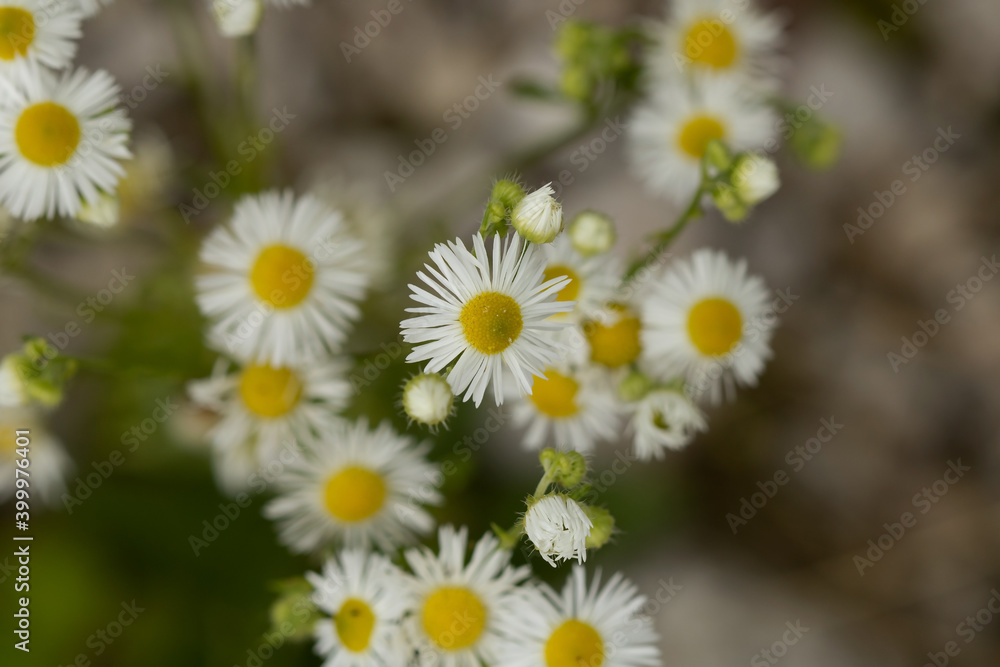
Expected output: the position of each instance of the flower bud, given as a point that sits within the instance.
(237, 18)
(592, 233)
(558, 527)
(634, 387)
(428, 400)
(603, 526)
(538, 217)
(293, 614)
(755, 178)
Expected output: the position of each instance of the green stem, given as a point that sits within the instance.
(543, 484)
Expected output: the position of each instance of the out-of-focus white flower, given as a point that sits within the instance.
(538, 217)
(237, 18)
(50, 465)
(755, 178)
(428, 400)
(592, 233)
(559, 528)
(665, 419)
(37, 32)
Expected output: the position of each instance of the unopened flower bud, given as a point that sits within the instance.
(558, 527)
(428, 400)
(592, 233)
(538, 217)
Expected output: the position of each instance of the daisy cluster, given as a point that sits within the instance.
(63, 131)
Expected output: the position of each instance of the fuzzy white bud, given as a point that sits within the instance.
(592, 233)
(538, 217)
(755, 178)
(559, 528)
(427, 399)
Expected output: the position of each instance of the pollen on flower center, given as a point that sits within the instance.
(354, 624)
(574, 643)
(715, 326)
(269, 392)
(354, 494)
(572, 290)
(47, 134)
(709, 42)
(17, 32)
(556, 395)
(614, 345)
(282, 277)
(454, 618)
(491, 322)
(697, 132)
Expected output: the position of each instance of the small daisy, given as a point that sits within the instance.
(359, 487)
(672, 129)
(593, 280)
(484, 316)
(460, 607)
(62, 142)
(595, 626)
(723, 37)
(49, 464)
(569, 410)
(285, 279)
(707, 321)
(559, 528)
(359, 595)
(665, 419)
(265, 407)
(37, 32)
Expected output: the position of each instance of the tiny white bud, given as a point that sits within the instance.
(755, 178)
(427, 399)
(592, 233)
(237, 18)
(559, 528)
(538, 217)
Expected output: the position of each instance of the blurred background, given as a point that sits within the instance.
(812, 554)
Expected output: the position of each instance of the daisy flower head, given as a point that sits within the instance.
(706, 321)
(593, 281)
(571, 410)
(37, 33)
(50, 464)
(485, 315)
(671, 131)
(559, 528)
(613, 336)
(62, 142)
(585, 625)
(729, 38)
(358, 595)
(284, 279)
(458, 606)
(357, 486)
(665, 419)
(263, 408)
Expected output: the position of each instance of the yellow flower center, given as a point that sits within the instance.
(269, 392)
(715, 326)
(17, 32)
(354, 624)
(709, 42)
(47, 134)
(616, 345)
(491, 322)
(454, 618)
(697, 132)
(574, 644)
(572, 290)
(282, 277)
(556, 395)
(354, 494)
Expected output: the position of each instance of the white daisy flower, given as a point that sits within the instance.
(62, 141)
(707, 321)
(359, 596)
(359, 487)
(595, 626)
(613, 336)
(460, 607)
(285, 281)
(264, 408)
(485, 316)
(49, 464)
(593, 282)
(37, 32)
(538, 216)
(428, 399)
(568, 410)
(559, 528)
(665, 419)
(672, 129)
(723, 37)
